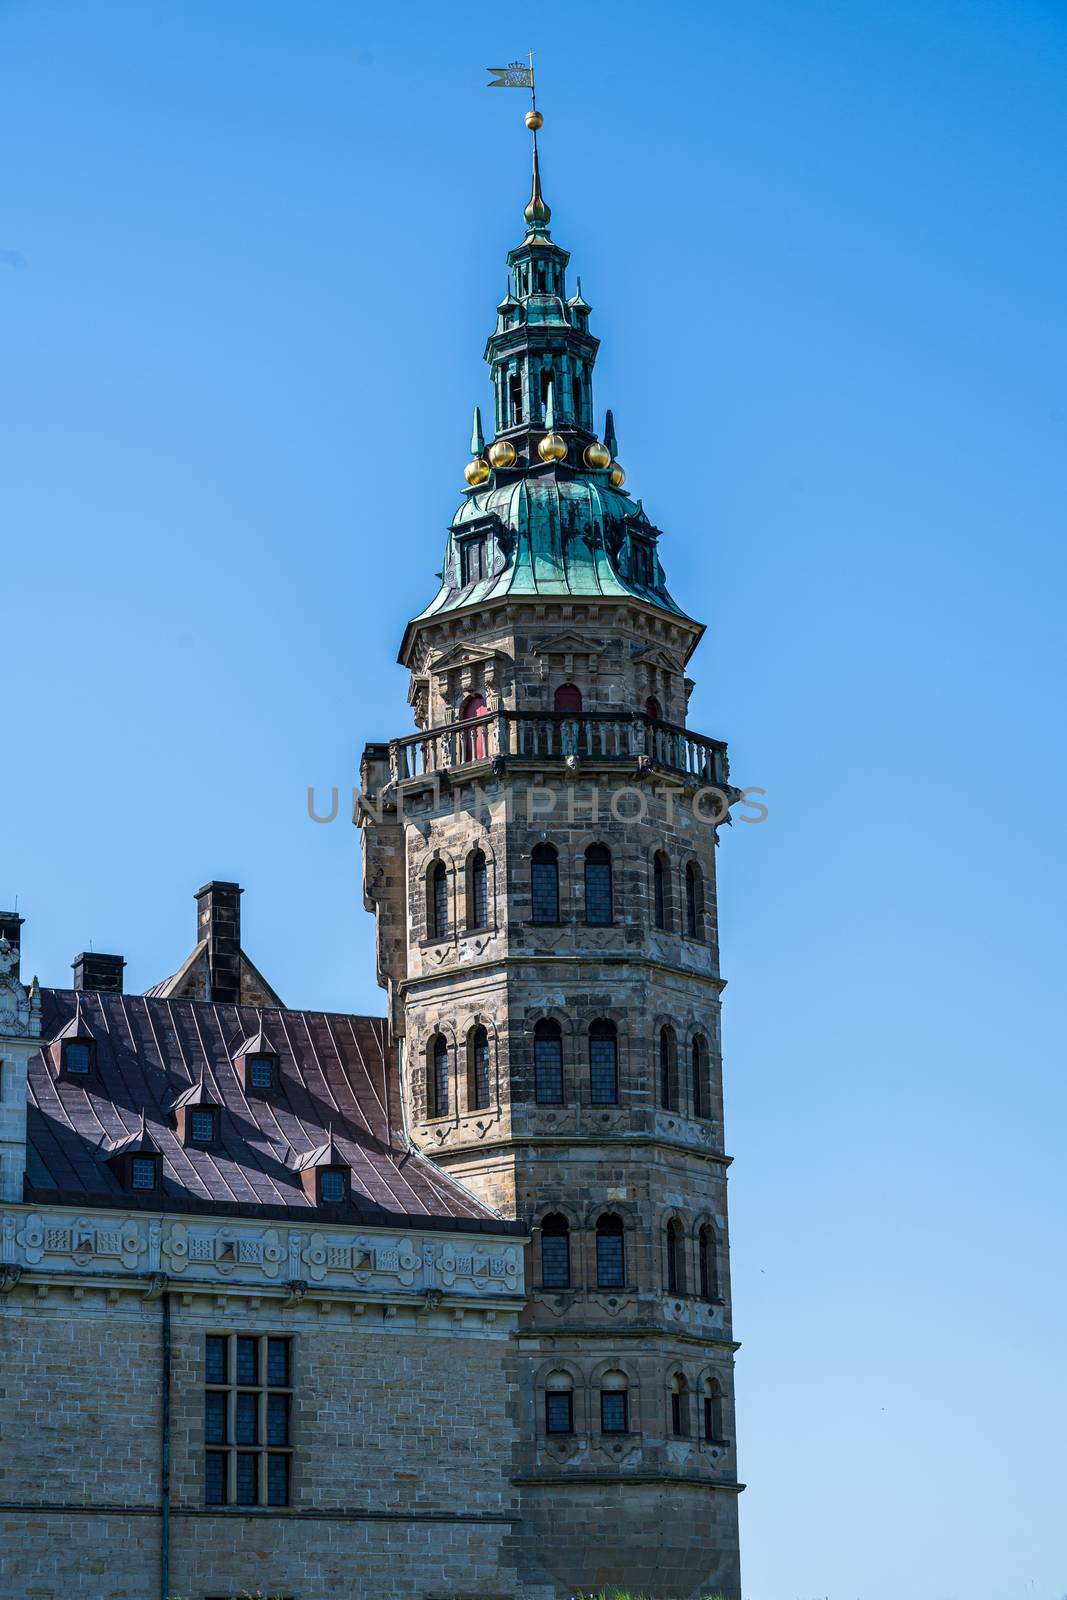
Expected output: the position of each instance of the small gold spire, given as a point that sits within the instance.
(538, 213)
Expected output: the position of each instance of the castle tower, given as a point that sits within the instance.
(540, 859)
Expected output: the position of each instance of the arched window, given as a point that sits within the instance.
(661, 890)
(713, 1411)
(544, 884)
(694, 901)
(559, 1403)
(610, 1254)
(548, 1064)
(675, 1243)
(679, 1405)
(477, 891)
(437, 901)
(668, 1051)
(555, 1252)
(652, 708)
(478, 1070)
(438, 1085)
(515, 398)
(614, 1406)
(576, 399)
(708, 1258)
(599, 900)
(701, 1081)
(474, 739)
(568, 698)
(603, 1064)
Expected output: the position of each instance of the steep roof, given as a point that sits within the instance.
(336, 1081)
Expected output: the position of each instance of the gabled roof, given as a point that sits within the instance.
(337, 1088)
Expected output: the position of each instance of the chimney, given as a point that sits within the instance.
(11, 930)
(100, 972)
(218, 920)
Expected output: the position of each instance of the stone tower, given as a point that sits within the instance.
(540, 859)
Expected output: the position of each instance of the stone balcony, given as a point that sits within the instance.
(601, 739)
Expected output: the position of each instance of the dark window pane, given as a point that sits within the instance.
(603, 1074)
(598, 897)
(332, 1180)
(439, 892)
(559, 1411)
(277, 1480)
(143, 1172)
(246, 1419)
(247, 1480)
(215, 1362)
(709, 1418)
(439, 1107)
(247, 1361)
(277, 1419)
(262, 1072)
(664, 1069)
(555, 1261)
(214, 1418)
(544, 885)
(548, 1065)
(676, 1414)
(215, 1478)
(479, 892)
(278, 1362)
(660, 907)
(76, 1056)
(692, 902)
(610, 1261)
(480, 1065)
(613, 1411)
(202, 1126)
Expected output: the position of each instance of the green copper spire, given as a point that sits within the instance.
(609, 435)
(477, 436)
(550, 413)
(538, 213)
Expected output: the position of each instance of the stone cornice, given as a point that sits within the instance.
(620, 1479)
(440, 1154)
(542, 959)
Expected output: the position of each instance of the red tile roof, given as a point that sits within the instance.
(335, 1077)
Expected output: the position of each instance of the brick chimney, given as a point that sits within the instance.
(95, 971)
(218, 920)
(11, 930)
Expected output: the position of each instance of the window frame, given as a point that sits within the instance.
(598, 859)
(547, 1031)
(556, 1232)
(475, 1099)
(257, 1058)
(438, 918)
(230, 1448)
(334, 1170)
(556, 1394)
(615, 1395)
(477, 874)
(191, 1140)
(602, 1032)
(544, 856)
(80, 1041)
(439, 1070)
(615, 1279)
(146, 1158)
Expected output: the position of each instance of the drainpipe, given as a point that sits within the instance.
(164, 1542)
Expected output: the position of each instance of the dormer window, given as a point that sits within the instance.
(515, 398)
(333, 1186)
(77, 1057)
(472, 561)
(261, 1074)
(144, 1174)
(202, 1126)
(641, 563)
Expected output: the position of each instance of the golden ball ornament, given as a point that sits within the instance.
(597, 456)
(617, 475)
(502, 454)
(534, 121)
(552, 447)
(476, 471)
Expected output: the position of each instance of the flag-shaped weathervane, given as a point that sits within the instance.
(515, 76)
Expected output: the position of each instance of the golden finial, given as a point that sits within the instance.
(534, 120)
(502, 453)
(476, 471)
(617, 475)
(597, 456)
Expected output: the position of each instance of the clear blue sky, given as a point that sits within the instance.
(249, 253)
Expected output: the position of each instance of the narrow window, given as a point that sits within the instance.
(474, 739)
(555, 1252)
(603, 1065)
(614, 1411)
(661, 890)
(438, 897)
(472, 564)
(247, 1404)
(478, 1070)
(599, 906)
(713, 1411)
(576, 399)
(675, 1258)
(540, 278)
(701, 1085)
(439, 1077)
(77, 1057)
(679, 1406)
(610, 1255)
(652, 708)
(548, 1064)
(478, 891)
(544, 884)
(568, 699)
(641, 563)
(515, 398)
(667, 1095)
(559, 1403)
(694, 900)
(707, 1255)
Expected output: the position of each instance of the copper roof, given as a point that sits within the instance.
(336, 1079)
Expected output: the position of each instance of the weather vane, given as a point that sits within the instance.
(518, 76)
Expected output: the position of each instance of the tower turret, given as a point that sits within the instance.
(540, 857)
